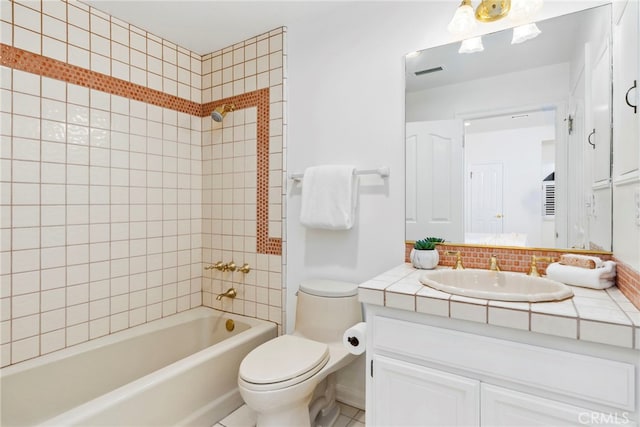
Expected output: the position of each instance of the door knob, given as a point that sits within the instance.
(498, 215)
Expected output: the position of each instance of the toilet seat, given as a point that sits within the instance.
(283, 362)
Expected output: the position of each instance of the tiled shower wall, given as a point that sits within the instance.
(101, 189)
(101, 176)
(243, 176)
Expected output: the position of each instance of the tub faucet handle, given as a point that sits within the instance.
(230, 266)
(218, 266)
(245, 268)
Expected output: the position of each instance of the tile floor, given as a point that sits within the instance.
(245, 417)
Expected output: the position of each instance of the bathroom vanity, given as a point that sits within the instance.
(436, 359)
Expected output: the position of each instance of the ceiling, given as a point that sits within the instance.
(206, 26)
(558, 41)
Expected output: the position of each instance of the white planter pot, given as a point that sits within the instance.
(426, 260)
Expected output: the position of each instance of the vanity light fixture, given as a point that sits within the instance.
(524, 33)
(521, 13)
(471, 45)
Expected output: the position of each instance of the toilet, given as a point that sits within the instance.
(288, 381)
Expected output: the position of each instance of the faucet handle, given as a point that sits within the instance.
(230, 266)
(458, 265)
(218, 266)
(533, 270)
(245, 268)
(493, 263)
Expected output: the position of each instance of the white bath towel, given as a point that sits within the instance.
(329, 197)
(596, 278)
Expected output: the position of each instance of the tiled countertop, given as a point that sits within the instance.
(602, 316)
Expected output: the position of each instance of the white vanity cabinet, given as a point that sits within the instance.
(425, 370)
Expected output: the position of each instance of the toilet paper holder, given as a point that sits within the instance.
(353, 341)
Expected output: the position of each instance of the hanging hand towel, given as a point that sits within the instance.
(329, 197)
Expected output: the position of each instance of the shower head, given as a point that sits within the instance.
(221, 111)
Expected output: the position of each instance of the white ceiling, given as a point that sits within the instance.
(206, 26)
(560, 38)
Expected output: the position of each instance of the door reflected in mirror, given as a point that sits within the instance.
(500, 144)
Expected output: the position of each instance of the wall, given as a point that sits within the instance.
(243, 175)
(346, 105)
(101, 163)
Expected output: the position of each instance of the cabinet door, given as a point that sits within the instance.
(625, 66)
(508, 408)
(406, 394)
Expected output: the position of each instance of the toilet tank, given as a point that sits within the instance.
(326, 308)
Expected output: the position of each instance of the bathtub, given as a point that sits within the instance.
(180, 370)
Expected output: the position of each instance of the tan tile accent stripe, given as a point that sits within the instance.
(47, 67)
(628, 281)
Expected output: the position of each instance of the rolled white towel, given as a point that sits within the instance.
(584, 261)
(596, 278)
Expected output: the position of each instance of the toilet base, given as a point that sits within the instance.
(328, 416)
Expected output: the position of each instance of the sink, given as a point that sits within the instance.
(496, 285)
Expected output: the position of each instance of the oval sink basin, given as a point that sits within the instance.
(496, 285)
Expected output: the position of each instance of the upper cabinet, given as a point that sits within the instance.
(626, 121)
(625, 89)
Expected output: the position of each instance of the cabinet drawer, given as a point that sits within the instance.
(584, 377)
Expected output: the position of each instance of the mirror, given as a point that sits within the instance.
(511, 146)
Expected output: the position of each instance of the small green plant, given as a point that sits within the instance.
(427, 244)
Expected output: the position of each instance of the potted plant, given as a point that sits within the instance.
(424, 254)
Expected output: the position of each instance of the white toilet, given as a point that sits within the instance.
(278, 378)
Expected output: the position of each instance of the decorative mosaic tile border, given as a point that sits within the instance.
(37, 64)
(260, 99)
(23, 60)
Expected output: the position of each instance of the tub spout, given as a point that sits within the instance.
(230, 293)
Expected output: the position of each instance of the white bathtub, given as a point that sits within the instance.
(180, 370)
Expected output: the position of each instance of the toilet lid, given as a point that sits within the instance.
(282, 359)
(329, 288)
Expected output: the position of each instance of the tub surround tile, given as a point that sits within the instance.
(122, 116)
(600, 316)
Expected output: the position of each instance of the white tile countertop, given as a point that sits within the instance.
(602, 316)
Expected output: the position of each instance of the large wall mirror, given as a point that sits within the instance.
(511, 146)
